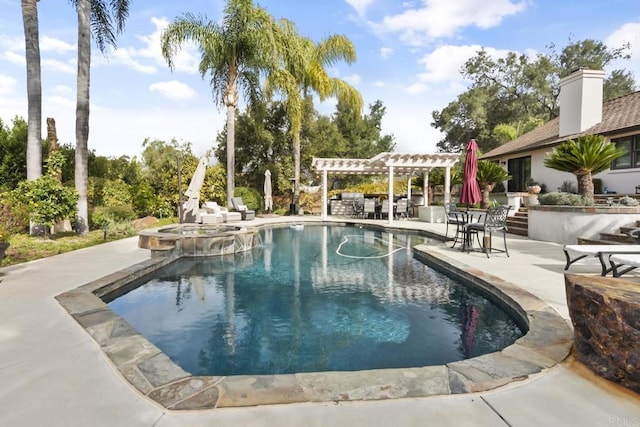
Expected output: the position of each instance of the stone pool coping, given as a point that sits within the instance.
(547, 342)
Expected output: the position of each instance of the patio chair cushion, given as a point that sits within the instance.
(212, 207)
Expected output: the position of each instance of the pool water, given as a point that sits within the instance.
(320, 298)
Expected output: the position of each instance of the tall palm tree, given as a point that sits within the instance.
(95, 17)
(306, 62)
(584, 157)
(234, 52)
(34, 89)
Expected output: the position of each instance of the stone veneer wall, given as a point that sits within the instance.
(605, 313)
(565, 224)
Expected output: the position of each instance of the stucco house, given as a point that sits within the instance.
(582, 112)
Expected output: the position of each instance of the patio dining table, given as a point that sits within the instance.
(463, 234)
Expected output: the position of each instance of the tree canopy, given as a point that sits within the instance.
(518, 89)
(264, 141)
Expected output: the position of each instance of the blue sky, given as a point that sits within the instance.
(409, 56)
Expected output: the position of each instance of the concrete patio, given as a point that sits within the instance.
(53, 373)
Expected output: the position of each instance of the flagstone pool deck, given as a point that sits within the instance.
(52, 372)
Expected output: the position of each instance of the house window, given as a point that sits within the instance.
(631, 158)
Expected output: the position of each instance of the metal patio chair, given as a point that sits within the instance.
(495, 220)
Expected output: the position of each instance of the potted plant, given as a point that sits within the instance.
(4, 241)
(533, 190)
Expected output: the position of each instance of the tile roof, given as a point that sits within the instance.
(618, 114)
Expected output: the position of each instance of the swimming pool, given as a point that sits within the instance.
(319, 298)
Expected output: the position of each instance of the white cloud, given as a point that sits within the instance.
(147, 58)
(12, 43)
(173, 90)
(444, 18)
(49, 44)
(442, 66)
(14, 58)
(416, 88)
(386, 52)
(353, 79)
(379, 83)
(199, 127)
(7, 84)
(360, 5)
(124, 56)
(628, 33)
(60, 101)
(59, 66)
(62, 90)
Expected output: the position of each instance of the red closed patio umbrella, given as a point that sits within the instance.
(470, 194)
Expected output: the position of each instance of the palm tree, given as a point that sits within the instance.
(489, 174)
(306, 62)
(94, 18)
(584, 157)
(34, 89)
(235, 52)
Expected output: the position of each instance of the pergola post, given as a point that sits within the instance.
(324, 194)
(447, 184)
(409, 187)
(425, 188)
(390, 214)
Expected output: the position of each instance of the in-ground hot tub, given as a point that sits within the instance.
(194, 240)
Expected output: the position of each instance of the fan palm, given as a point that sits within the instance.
(584, 157)
(34, 89)
(95, 17)
(489, 174)
(234, 52)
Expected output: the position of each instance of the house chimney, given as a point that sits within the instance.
(580, 101)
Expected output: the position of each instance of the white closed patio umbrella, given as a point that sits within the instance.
(193, 192)
(268, 201)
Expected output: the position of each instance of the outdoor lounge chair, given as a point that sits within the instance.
(384, 210)
(628, 261)
(369, 208)
(575, 253)
(402, 208)
(239, 206)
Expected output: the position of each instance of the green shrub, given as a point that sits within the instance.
(144, 199)
(110, 215)
(46, 200)
(564, 199)
(568, 187)
(251, 198)
(628, 201)
(14, 217)
(116, 193)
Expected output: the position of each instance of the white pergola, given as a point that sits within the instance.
(390, 164)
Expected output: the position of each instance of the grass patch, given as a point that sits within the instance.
(28, 248)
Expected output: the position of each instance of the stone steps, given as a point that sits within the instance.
(519, 223)
(587, 241)
(620, 238)
(607, 238)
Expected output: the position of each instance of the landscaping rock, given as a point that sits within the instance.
(605, 313)
(146, 222)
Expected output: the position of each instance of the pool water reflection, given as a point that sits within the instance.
(321, 298)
